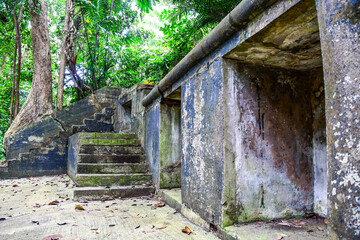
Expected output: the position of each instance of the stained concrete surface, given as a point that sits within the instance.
(25, 213)
(300, 228)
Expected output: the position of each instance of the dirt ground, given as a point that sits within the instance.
(42, 208)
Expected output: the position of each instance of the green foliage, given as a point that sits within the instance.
(111, 48)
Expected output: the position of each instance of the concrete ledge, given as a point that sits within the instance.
(173, 199)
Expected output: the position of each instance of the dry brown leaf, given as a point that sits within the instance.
(279, 237)
(284, 223)
(78, 207)
(161, 227)
(54, 203)
(159, 205)
(186, 230)
(53, 237)
(325, 221)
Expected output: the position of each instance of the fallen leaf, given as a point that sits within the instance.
(325, 221)
(54, 203)
(152, 230)
(15, 185)
(53, 237)
(161, 227)
(78, 207)
(186, 230)
(159, 205)
(279, 237)
(284, 223)
(61, 224)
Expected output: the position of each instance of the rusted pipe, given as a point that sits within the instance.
(236, 20)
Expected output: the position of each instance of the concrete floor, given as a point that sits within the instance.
(25, 214)
(313, 228)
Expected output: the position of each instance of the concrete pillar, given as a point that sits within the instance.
(340, 45)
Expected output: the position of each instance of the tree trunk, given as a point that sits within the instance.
(3, 62)
(38, 104)
(18, 36)
(14, 83)
(66, 49)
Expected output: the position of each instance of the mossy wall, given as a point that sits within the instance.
(170, 144)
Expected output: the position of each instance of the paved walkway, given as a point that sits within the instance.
(25, 214)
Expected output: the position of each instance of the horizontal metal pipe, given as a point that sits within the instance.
(236, 20)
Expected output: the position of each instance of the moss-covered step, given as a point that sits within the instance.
(110, 142)
(83, 180)
(87, 135)
(106, 158)
(100, 193)
(108, 168)
(112, 150)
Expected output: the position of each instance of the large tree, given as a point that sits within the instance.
(67, 49)
(39, 101)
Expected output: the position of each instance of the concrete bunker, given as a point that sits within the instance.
(275, 161)
(170, 141)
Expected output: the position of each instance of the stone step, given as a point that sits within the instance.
(93, 126)
(110, 142)
(100, 117)
(102, 158)
(92, 135)
(60, 150)
(110, 150)
(83, 180)
(100, 193)
(109, 168)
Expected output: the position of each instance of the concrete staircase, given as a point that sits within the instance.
(102, 122)
(106, 165)
(42, 148)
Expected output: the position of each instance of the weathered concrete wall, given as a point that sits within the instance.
(129, 111)
(339, 22)
(271, 115)
(151, 142)
(319, 143)
(73, 155)
(31, 137)
(202, 142)
(170, 144)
